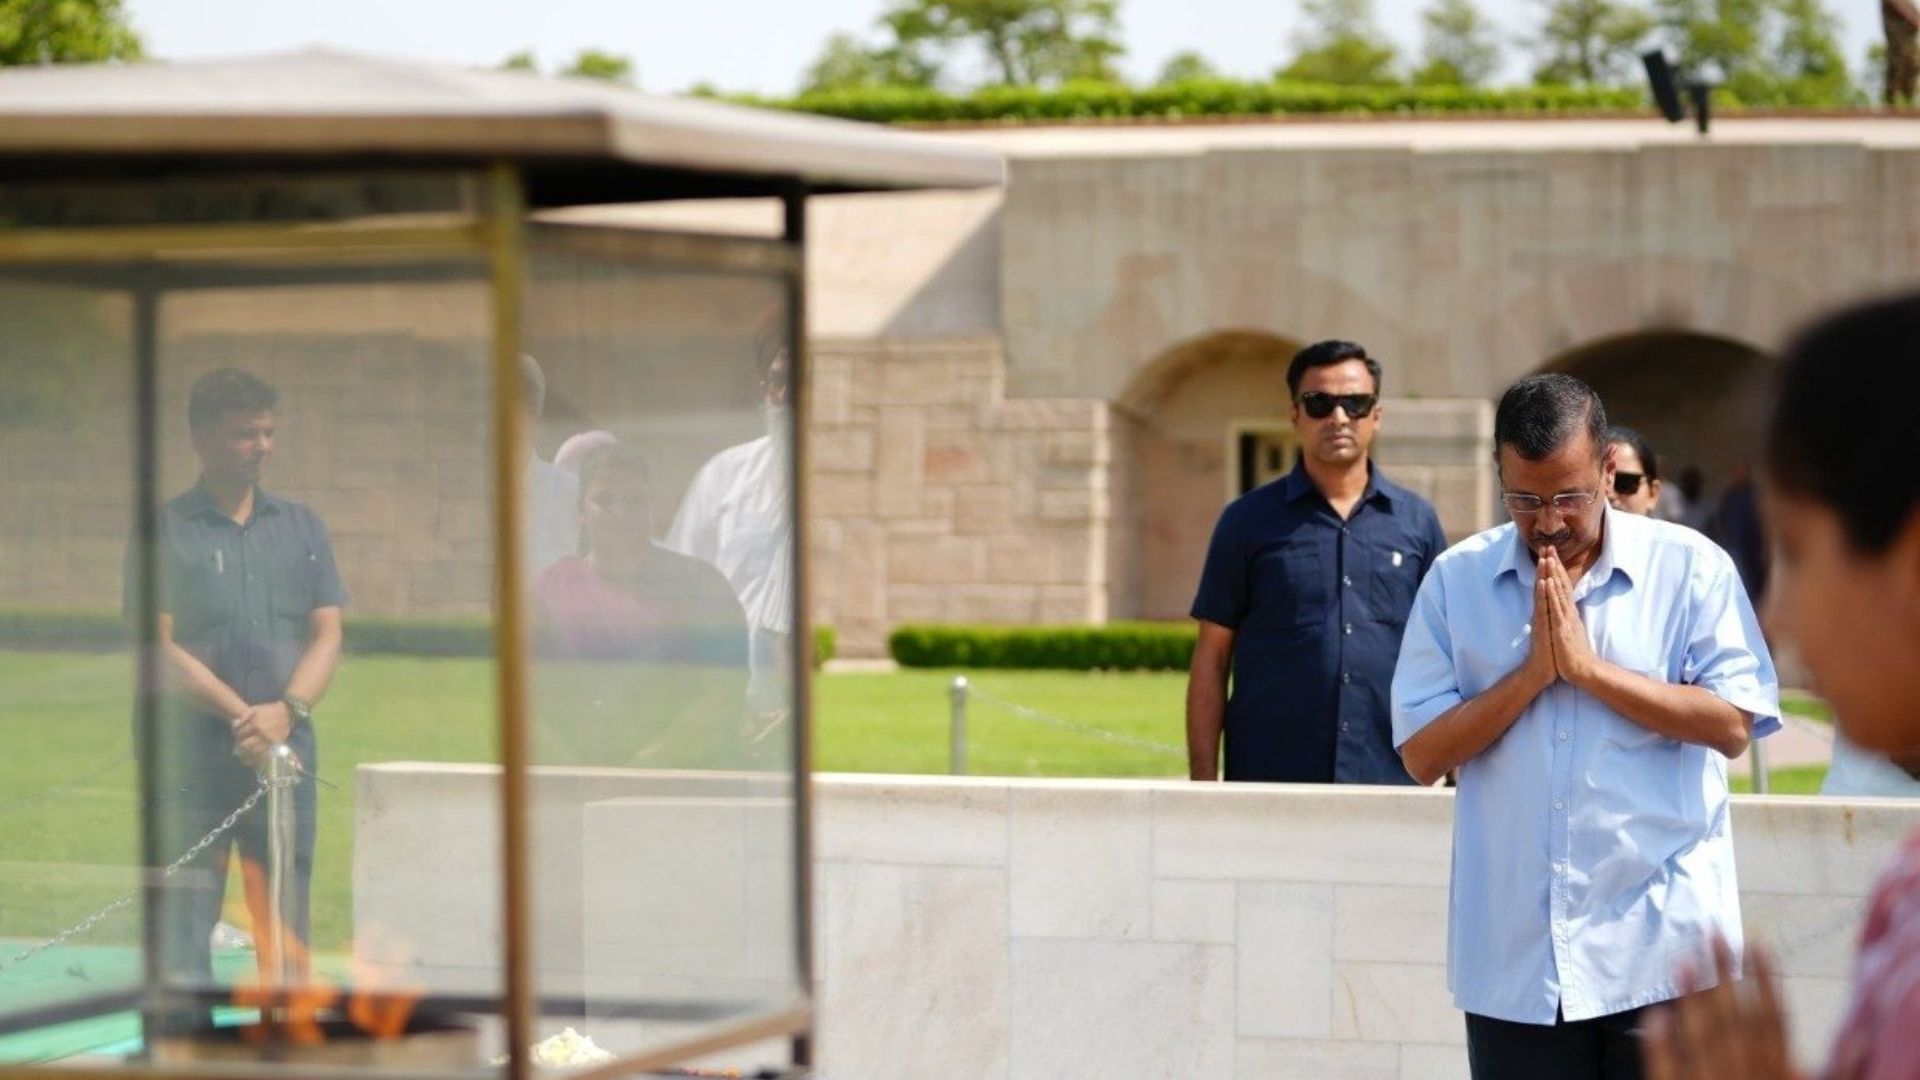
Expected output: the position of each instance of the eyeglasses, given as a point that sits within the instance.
(1319, 404)
(1568, 502)
(1627, 483)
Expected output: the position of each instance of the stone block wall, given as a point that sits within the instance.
(934, 498)
(994, 929)
(1046, 930)
(1442, 450)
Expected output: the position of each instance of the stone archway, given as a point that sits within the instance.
(1173, 449)
(1698, 397)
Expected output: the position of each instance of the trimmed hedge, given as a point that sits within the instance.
(51, 628)
(1138, 646)
(1201, 97)
(106, 631)
(372, 634)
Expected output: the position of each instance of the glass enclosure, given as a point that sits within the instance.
(268, 689)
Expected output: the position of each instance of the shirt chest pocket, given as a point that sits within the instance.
(1293, 587)
(194, 590)
(290, 581)
(1393, 576)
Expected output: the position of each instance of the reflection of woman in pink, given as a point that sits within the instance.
(626, 597)
(643, 651)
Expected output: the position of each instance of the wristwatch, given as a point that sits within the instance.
(299, 708)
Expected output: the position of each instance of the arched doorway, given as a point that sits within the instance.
(1198, 425)
(1699, 398)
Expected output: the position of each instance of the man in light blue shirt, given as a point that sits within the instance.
(1588, 672)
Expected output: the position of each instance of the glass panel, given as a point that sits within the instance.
(321, 580)
(69, 818)
(663, 588)
(325, 463)
(317, 815)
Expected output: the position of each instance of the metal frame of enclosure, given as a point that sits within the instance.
(514, 146)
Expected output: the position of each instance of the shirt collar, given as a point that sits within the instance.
(1623, 547)
(1298, 485)
(198, 503)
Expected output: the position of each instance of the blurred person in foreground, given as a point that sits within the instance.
(1589, 672)
(1846, 591)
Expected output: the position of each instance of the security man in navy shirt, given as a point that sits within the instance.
(249, 630)
(1306, 590)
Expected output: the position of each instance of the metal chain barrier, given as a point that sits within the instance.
(1077, 728)
(171, 868)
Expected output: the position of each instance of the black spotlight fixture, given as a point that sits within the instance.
(1665, 81)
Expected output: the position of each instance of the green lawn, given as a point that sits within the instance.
(67, 823)
(899, 723)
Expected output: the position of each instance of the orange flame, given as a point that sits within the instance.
(292, 1013)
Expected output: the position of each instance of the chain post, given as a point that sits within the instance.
(282, 773)
(957, 726)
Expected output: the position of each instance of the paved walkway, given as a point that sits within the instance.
(1799, 742)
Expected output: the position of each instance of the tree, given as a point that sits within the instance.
(1766, 52)
(520, 61)
(1718, 38)
(1461, 48)
(1590, 42)
(1811, 65)
(65, 31)
(1026, 42)
(1873, 73)
(1186, 67)
(604, 66)
(1340, 43)
(844, 63)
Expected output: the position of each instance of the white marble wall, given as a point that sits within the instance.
(987, 929)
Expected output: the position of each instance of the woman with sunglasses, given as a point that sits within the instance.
(1636, 472)
(1844, 501)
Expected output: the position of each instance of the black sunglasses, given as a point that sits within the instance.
(1627, 483)
(1319, 405)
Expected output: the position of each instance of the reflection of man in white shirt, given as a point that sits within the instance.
(552, 493)
(736, 517)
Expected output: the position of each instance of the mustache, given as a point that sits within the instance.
(1550, 539)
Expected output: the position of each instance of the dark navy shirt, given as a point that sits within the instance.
(1317, 606)
(241, 595)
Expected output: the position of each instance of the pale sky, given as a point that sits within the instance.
(757, 45)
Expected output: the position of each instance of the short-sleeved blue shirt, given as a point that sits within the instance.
(241, 595)
(1317, 606)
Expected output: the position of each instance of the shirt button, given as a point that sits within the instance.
(1565, 735)
(1349, 628)
(1343, 725)
(1558, 805)
(1346, 581)
(1346, 677)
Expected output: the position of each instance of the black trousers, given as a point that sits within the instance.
(1604, 1048)
(200, 784)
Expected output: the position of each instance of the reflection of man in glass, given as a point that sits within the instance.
(249, 630)
(736, 517)
(552, 530)
(674, 619)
